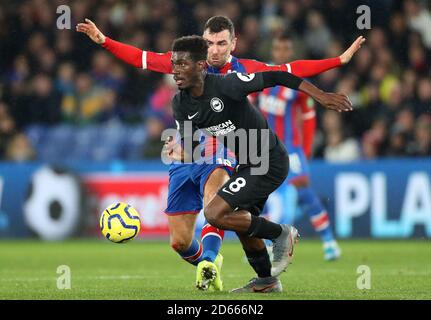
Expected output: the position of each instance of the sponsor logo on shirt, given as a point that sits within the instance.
(221, 129)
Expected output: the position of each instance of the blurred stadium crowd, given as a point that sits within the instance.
(63, 96)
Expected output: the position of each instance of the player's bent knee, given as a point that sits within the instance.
(180, 244)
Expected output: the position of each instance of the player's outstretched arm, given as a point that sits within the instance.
(300, 68)
(334, 101)
(310, 68)
(127, 53)
(307, 68)
(239, 85)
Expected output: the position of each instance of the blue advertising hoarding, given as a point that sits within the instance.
(378, 199)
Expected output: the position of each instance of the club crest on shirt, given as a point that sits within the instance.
(216, 104)
(246, 77)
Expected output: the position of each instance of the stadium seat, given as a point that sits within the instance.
(101, 142)
(132, 147)
(36, 135)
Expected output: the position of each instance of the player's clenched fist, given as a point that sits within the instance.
(172, 149)
(89, 28)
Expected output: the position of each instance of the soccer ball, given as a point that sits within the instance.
(120, 222)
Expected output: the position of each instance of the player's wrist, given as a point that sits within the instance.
(102, 39)
(322, 98)
(311, 90)
(343, 59)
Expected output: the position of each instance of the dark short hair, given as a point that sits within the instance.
(195, 45)
(217, 24)
(284, 36)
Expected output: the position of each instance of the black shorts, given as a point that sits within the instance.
(247, 191)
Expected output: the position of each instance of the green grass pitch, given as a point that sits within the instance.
(151, 270)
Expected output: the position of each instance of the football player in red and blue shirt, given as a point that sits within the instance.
(292, 117)
(189, 184)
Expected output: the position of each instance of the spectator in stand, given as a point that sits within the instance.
(422, 144)
(423, 103)
(45, 76)
(405, 121)
(41, 104)
(338, 146)
(417, 55)
(153, 145)
(19, 149)
(409, 80)
(65, 78)
(7, 128)
(398, 140)
(374, 141)
(161, 99)
(87, 103)
(317, 36)
(419, 19)
(399, 36)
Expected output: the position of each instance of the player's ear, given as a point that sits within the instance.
(234, 43)
(201, 65)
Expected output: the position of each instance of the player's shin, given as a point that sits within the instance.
(312, 206)
(193, 254)
(260, 262)
(212, 239)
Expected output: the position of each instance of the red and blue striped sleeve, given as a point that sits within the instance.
(300, 68)
(158, 62)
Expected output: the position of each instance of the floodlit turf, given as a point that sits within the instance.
(150, 270)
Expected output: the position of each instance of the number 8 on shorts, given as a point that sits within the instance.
(237, 184)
